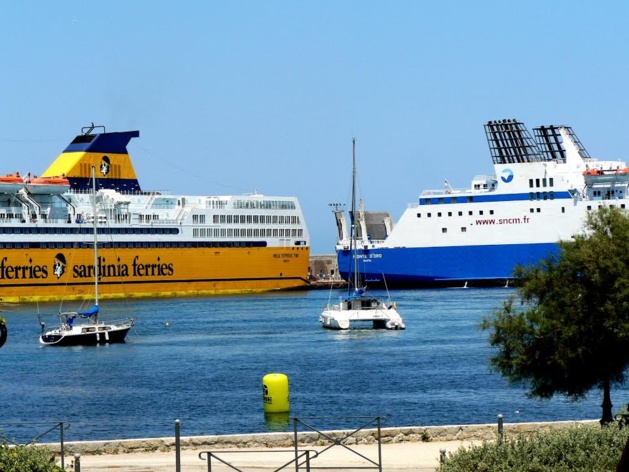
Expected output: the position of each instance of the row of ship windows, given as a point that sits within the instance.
(247, 233)
(264, 204)
(537, 183)
(541, 196)
(460, 213)
(249, 219)
(491, 212)
(136, 245)
(512, 220)
(482, 213)
(86, 230)
(253, 204)
(439, 201)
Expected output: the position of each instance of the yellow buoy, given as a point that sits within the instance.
(275, 393)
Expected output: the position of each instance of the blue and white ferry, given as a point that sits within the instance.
(542, 189)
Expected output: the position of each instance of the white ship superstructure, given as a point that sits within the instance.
(539, 194)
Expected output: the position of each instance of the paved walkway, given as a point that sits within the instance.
(406, 456)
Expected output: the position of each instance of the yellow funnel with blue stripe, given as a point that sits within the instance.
(105, 151)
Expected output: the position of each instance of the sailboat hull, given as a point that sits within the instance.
(88, 335)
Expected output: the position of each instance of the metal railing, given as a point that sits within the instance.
(62, 426)
(303, 458)
(342, 440)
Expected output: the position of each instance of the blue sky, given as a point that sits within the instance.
(243, 96)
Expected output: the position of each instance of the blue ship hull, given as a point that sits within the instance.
(443, 266)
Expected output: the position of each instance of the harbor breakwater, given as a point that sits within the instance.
(472, 433)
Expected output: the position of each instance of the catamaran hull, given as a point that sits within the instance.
(378, 319)
(444, 266)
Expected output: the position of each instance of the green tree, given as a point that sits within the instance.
(26, 458)
(571, 332)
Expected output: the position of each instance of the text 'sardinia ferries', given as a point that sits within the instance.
(150, 243)
(541, 190)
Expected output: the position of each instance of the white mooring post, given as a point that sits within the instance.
(442, 456)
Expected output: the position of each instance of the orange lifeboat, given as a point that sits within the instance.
(606, 176)
(48, 185)
(11, 183)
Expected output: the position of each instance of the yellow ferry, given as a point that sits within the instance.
(151, 244)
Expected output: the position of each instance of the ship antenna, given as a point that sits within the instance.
(88, 129)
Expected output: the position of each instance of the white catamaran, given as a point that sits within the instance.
(357, 306)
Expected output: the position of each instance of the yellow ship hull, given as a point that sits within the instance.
(34, 275)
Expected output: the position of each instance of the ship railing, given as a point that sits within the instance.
(369, 243)
(122, 192)
(445, 191)
(364, 244)
(158, 222)
(332, 307)
(50, 221)
(41, 220)
(12, 220)
(63, 315)
(162, 206)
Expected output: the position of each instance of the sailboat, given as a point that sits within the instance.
(92, 331)
(357, 306)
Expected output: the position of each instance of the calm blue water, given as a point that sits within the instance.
(206, 369)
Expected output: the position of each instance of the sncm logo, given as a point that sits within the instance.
(507, 176)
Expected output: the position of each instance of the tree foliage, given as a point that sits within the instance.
(26, 458)
(571, 331)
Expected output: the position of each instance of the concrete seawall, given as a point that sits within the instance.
(471, 433)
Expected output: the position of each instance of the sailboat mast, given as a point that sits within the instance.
(353, 242)
(95, 240)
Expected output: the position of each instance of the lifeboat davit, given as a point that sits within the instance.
(11, 183)
(48, 185)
